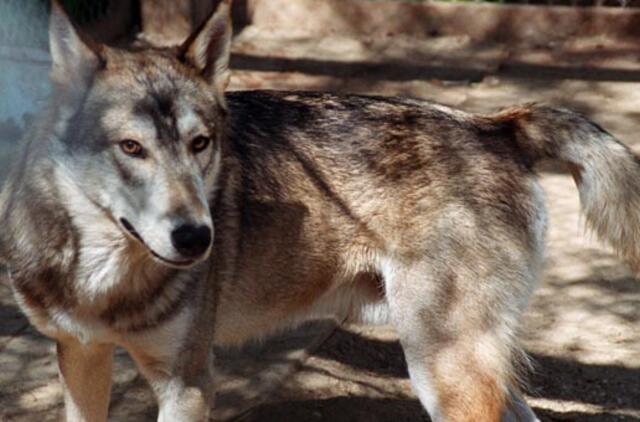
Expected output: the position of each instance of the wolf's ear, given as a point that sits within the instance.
(208, 48)
(74, 61)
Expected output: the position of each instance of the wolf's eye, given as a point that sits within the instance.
(131, 147)
(200, 143)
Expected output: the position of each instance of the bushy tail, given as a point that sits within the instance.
(606, 172)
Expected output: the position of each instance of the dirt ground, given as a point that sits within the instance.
(582, 329)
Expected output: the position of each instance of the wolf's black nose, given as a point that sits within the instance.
(191, 240)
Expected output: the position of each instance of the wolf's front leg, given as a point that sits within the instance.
(182, 384)
(85, 373)
(179, 400)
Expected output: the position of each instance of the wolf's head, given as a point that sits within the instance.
(140, 132)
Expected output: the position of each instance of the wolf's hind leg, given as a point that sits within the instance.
(457, 333)
(85, 373)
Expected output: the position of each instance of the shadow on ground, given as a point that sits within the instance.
(404, 70)
(608, 386)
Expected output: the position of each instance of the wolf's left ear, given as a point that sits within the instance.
(209, 47)
(74, 61)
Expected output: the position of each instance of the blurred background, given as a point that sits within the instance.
(583, 328)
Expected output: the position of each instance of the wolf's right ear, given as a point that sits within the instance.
(209, 47)
(74, 61)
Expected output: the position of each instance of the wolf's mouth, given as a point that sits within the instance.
(134, 233)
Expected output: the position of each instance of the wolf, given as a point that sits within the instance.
(153, 210)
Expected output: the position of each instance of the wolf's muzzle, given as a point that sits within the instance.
(191, 241)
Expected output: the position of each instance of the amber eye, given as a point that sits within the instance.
(200, 143)
(131, 147)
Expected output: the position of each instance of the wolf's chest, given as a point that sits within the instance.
(104, 265)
